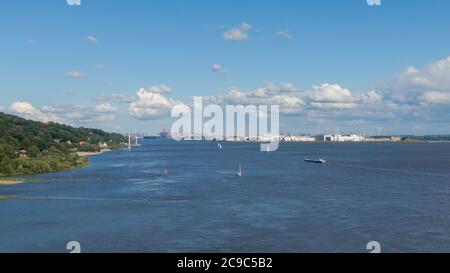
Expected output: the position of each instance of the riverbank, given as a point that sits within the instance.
(82, 161)
(85, 154)
(10, 181)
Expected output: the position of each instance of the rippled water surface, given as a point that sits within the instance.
(397, 194)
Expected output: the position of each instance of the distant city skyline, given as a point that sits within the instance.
(332, 66)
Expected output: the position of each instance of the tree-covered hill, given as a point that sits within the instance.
(28, 147)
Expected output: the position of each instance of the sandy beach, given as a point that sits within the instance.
(88, 153)
(10, 182)
(93, 153)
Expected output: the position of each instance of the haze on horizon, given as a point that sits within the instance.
(331, 65)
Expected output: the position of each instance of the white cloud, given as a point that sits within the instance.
(285, 34)
(239, 33)
(419, 96)
(326, 100)
(372, 97)
(160, 89)
(105, 108)
(235, 35)
(331, 93)
(92, 40)
(217, 68)
(122, 98)
(150, 103)
(285, 94)
(66, 114)
(82, 114)
(434, 97)
(76, 74)
(245, 26)
(414, 83)
(101, 97)
(333, 105)
(334, 96)
(114, 98)
(28, 111)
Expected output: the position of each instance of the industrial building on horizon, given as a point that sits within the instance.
(289, 138)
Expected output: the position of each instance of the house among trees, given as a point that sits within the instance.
(29, 147)
(22, 154)
(103, 145)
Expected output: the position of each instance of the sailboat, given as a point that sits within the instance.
(239, 173)
(129, 142)
(166, 172)
(220, 146)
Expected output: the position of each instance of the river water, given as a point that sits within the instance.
(186, 197)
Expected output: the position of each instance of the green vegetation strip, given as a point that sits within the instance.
(29, 147)
(2, 198)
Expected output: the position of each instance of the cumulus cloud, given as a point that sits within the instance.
(323, 102)
(239, 33)
(92, 40)
(28, 111)
(160, 89)
(418, 96)
(114, 98)
(434, 97)
(65, 114)
(372, 97)
(331, 93)
(150, 103)
(285, 94)
(122, 98)
(217, 68)
(82, 114)
(334, 96)
(245, 26)
(101, 97)
(412, 85)
(285, 35)
(76, 74)
(105, 108)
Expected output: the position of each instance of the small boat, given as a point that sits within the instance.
(239, 173)
(166, 172)
(318, 161)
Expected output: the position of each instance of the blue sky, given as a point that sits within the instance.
(48, 61)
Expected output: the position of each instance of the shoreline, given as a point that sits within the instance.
(10, 182)
(84, 154)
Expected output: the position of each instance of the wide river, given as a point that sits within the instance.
(186, 197)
